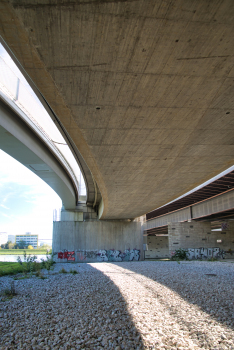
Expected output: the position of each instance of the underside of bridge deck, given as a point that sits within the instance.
(143, 88)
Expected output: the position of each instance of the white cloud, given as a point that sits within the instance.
(3, 206)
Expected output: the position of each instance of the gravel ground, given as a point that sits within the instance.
(128, 305)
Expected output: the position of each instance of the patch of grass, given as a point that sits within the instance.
(74, 272)
(21, 277)
(28, 265)
(10, 268)
(62, 271)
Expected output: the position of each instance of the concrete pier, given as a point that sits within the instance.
(96, 240)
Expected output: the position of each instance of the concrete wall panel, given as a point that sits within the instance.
(97, 240)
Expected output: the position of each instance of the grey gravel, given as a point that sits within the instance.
(127, 305)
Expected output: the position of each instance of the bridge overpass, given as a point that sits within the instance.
(26, 143)
(142, 90)
(202, 219)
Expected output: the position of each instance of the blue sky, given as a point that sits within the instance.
(26, 202)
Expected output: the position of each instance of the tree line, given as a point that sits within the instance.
(21, 245)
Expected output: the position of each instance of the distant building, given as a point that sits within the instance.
(11, 238)
(28, 239)
(3, 237)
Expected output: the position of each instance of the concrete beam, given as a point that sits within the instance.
(217, 204)
(18, 140)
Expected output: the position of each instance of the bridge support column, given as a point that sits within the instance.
(97, 240)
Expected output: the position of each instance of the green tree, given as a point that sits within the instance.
(9, 245)
(21, 244)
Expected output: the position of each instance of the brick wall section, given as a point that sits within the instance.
(188, 235)
(157, 247)
(199, 235)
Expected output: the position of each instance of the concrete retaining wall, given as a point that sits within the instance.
(98, 240)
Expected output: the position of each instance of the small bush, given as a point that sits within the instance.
(179, 254)
(74, 272)
(38, 273)
(62, 271)
(10, 293)
(42, 277)
(48, 263)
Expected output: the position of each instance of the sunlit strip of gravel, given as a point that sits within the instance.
(178, 306)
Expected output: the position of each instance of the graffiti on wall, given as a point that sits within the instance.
(70, 256)
(205, 253)
(224, 226)
(101, 255)
(117, 255)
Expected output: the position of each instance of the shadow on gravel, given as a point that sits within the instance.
(81, 311)
(211, 291)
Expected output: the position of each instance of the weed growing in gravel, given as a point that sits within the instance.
(212, 259)
(22, 277)
(74, 272)
(62, 271)
(9, 293)
(29, 264)
(179, 254)
(42, 277)
(48, 263)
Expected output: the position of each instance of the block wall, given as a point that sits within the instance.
(157, 247)
(192, 235)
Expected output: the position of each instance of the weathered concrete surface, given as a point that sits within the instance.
(92, 241)
(143, 88)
